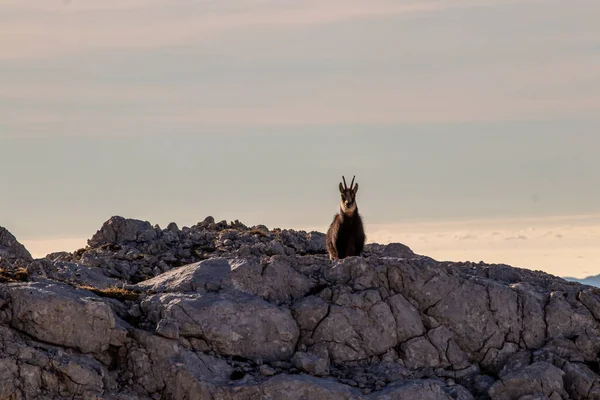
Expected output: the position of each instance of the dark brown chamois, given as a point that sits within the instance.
(345, 236)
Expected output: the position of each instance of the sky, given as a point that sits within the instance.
(472, 126)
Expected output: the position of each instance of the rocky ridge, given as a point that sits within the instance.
(224, 311)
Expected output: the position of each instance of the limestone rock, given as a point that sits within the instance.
(121, 230)
(64, 316)
(232, 324)
(274, 280)
(397, 250)
(11, 249)
(538, 378)
(226, 311)
(197, 277)
(358, 325)
(311, 363)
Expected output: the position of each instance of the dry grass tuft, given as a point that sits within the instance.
(17, 275)
(113, 292)
(258, 232)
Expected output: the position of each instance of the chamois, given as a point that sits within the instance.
(345, 236)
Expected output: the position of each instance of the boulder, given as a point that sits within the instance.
(59, 314)
(233, 324)
(11, 249)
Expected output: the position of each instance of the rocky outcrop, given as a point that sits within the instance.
(11, 249)
(225, 311)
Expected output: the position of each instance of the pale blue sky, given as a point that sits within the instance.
(171, 111)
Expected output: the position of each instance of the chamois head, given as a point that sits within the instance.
(348, 196)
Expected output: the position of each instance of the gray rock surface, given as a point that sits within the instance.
(11, 249)
(233, 324)
(61, 315)
(224, 311)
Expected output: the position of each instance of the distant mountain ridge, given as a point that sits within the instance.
(592, 280)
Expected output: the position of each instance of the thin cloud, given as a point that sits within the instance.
(578, 250)
(465, 237)
(298, 100)
(81, 26)
(518, 237)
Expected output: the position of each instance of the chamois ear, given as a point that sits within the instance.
(341, 188)
(355, 188)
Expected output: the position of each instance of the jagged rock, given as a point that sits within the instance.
(537, 378)
(9, 377)
(589, 346)
(581, 382)
(121, 230)
(408, 320)
(309, 312)
(420, 353)
(71, 273)
(11, 249)
(397, 250)
(230, 312)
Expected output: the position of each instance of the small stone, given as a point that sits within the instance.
(244, 251)
(260, 228)
(266, 370)
(168, 329)
(275, 248)
(185, 343)
(311, 363)
(199, 345)
(389, 356)
(207, 221)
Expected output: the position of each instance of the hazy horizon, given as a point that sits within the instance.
(563, 246)
(472, 127)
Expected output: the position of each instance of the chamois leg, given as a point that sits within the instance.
(331, 248)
